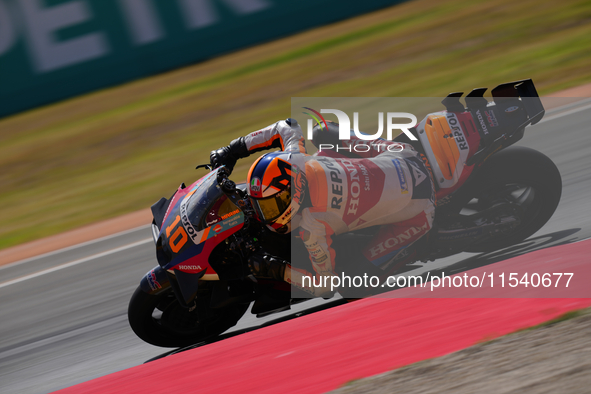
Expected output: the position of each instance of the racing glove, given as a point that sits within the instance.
(229, 155)
(265, 266)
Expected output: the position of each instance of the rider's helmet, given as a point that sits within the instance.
(276, 189)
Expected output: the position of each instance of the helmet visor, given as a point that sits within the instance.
(270, 208)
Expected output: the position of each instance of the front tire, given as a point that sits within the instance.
(161, 321)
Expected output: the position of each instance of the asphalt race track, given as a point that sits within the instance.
(64, 314)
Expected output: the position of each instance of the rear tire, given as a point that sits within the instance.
(517, 170)
(161, 321)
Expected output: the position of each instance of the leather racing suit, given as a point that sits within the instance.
(387, 186)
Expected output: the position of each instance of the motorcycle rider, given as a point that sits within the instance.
(330, 194)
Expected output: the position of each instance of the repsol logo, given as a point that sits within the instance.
(336, 183)
(186, 222)
(395, 240)
(457, 131)
(481, 120)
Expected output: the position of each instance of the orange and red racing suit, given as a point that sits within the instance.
(384, 187)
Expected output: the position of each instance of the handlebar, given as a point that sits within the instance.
(228, 187)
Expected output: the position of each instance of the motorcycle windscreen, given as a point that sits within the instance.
(202, 219)
(200, 199)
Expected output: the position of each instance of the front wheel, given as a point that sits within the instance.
(523, 178)
(161, 321)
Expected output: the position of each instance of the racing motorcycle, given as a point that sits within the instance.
(490, 195)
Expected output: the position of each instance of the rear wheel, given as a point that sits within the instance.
(521, 178)
(161, 321)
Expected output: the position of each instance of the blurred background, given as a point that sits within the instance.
(108, 105)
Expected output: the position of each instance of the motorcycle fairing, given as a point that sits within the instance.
(184, 245)
(155, 281)
(196, 255)
(159, 210)
(448, 140)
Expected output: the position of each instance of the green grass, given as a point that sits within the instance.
(120, 149)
